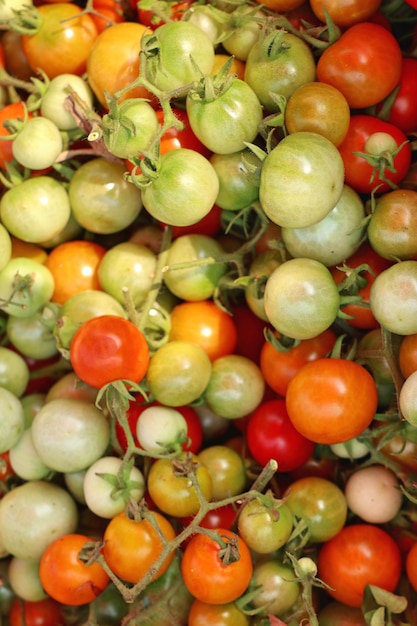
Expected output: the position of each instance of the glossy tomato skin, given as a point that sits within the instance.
(108, 348)
(411, 566)
(403, 112)
(271, 435)
(205, 575)
(392, 229)
(360, 555)
(47, 612)
(359, 173)
(345, 13)
(331, 400)
(63, 42)
(364, 64)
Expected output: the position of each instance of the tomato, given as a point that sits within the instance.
(331, 400)
(133, 546)
(345, 13)
(205, 324)
(248, 345)
(338, 614)
(301, 298)
(174, 138)
(402, 113)
(205, 614)
(373, 494)
(279, 67)
(407, 355)
(26, 286)
(400, 281)
(301, 180)
(63, 41)
(175, 11)
(46, 612)
(108, 348)
(359, 555)
(372, 263)
(129, 128)
(411, 566)
(318, 108)
(380, 168)
(217, 572)
(392, 226)
(56, 95)
(279, 366)
(278, 588)
(170, 487)
(364, 64)
(113, 62)
(226, 468)
(227, 122)
(271, 435)
(108, 12)
(209, 225)
(265, 526)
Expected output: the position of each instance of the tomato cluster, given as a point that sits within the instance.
(208, 296)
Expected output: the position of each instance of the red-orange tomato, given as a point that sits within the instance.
(108, 12)
(407, 355)
(411, 566)
(65, 577)
(63, 42)
(113, 62)
(344, 13)
(359, 555)
(74, 266)
(10, 112)
(331, 400)
(132, 547)
(46, 612)
(174, 9)
(205, 324)
(174, 138)
(364, 64)
(278, 367)
(207, 577)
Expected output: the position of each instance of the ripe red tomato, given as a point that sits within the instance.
(215, 573)
(174, 138)
(65, 577)
(270, 434)
(74, 266)
(361, 174)
(345, 13)
(331, 400)
(278, 367)
(403, 113)
(360, 555)
(205, 324)
(411, 566)
(47, 612)
(364, 64)
(108, 12)
(108, 348)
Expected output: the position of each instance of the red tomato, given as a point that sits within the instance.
(215, 573)
(174, 11)
(209, 225)
(360, 555)
(271, 435)
(108, 12)
(345, 13)
(205, 324)
(108, 348)
(278, 367)
(10, 112)
(65, 577)
(63, 41)
(403, 113)
(174, 138)
(362, 316)
(360, 173)
(331, 400)
(74, 266)
(364, 64)
(47, 612)
(411, 566)
(249, 344)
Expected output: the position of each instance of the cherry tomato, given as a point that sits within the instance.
(205, 614)
(402, 113)
(411, 566)
(108, 348)
(345, 13)
(360, 555)
(108, 12)
(65, 577)
(211, 576)
(47, 612)
(10, 112)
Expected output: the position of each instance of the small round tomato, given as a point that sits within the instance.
(392, 229)
(407, 355)
(205, 614)
(265, 525)
(403, 113)
(46, 612)
(214, 571)
(411, 566)
(65, 577)
(226, 468)
(359, 555)
(131, 546)
(331, 400)
(205, 324)
(108, 348)
(345, 13)
(398, 286)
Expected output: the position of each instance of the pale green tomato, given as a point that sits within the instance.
(242, 34)
(25, 287)
(260, 269)
(36, 209)
(301, 181)
(25, 460)
(161, 430)
(32, 402)
(265, 527)
(335, 237)
(74, 482)
(14, 371)
(55, 101)
(236, 191)
(33, 515)
(128, 266)
(24, 579)
(393, 298)
(33, 336)
(38, 144)
(408, 399)
(5, 246)
(70, 434)
(108, 486)
(12, 422)
(130, 129)
(278, 587)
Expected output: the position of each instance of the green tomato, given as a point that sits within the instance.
(38, 144)
(236, 189)
(130, 128)
(12, 421)
(265, 526)
(25, 287)
(397, 286)
(102, 200)
(14, 371)
(5, 246)
(33, 336)
(301, 299)
(53, 103)
(35, 210)
(301, 180)
(279, 590)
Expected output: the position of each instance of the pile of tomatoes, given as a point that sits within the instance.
(208, 298)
